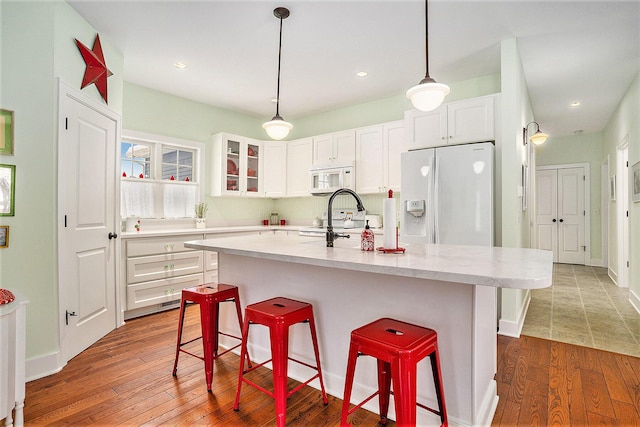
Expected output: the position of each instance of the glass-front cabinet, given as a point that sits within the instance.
(236, 166)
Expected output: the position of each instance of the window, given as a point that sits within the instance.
(135, 160)
(160, 176)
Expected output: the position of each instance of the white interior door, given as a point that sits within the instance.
(571, 215)
(547, 211)
(560, 213)
(87, 215)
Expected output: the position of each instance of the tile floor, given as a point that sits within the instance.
(584, 307)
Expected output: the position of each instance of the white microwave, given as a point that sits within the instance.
(327, 179)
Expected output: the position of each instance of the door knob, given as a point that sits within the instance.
(554, 220)
(561, 220)
(112, 236)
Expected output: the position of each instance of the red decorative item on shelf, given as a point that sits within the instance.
(6, 296)
(173, 178)
(96, 71)
(187, 179)
(124, 174)
(141, 176)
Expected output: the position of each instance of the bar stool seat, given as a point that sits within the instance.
(398, 346)
(278, 314)
(208, 297)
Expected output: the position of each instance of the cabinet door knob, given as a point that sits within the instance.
(113, 236)
(561, 220)
(554, 220)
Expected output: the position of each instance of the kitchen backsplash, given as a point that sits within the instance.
(232, 211)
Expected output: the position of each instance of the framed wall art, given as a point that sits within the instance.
(4, 236)
(635, 184)
(7, 189)
(6, 132)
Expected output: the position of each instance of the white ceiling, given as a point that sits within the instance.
(587, 51)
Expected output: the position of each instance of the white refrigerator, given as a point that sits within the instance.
(447, 195)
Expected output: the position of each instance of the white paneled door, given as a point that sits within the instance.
(87, 222)
(560, 216)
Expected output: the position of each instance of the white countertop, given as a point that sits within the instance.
(474, 265)
(211, 230)
(161, 232)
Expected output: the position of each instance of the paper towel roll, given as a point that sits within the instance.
(389, 223)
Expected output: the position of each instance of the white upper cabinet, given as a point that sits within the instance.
(378, 151)
(395, 142)
(334, 148)
(275, 168)
(299, 161)
(471, 120)
(236, 166)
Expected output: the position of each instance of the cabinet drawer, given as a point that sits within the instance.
(163, 266)
(159, 245)
(210, 260)
(159, 291)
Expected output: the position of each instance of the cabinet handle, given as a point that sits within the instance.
(169, 246)
(443, 138)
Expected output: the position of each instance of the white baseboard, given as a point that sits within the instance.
(511, 328)
(612, 275)
(42, 366)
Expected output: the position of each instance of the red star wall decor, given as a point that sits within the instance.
(96, 71)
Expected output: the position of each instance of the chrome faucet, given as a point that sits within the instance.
(331, 236)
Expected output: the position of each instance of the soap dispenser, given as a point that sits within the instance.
(367, 240)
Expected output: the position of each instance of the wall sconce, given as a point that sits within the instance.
(537, 138)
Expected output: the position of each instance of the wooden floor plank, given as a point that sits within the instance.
(126, 379)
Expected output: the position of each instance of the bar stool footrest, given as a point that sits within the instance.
(359, 405)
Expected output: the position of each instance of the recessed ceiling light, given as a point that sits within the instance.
(362, 74)
(574, 104)
(180, 65)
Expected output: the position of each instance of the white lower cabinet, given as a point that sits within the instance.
(160, 291)
(158, 268)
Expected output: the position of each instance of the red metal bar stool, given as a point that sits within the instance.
(209, 297)
(398, 346)
(278, 314)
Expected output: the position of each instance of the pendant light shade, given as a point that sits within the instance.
(277, 128)
(537, 138)
(428, 94)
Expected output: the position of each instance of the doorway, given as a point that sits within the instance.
(621, 199)
(87, 211)
(562, 212)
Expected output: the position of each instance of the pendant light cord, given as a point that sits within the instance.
(426, 37)
(279, 56)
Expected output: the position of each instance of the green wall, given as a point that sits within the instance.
(147, 110)
(515, 113)
(625, 123)
(37, 47)
(580, 149)
(386, 109)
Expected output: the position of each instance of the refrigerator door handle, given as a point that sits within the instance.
(436, 233)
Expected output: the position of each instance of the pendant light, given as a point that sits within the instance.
(428, 94)
(277, 128)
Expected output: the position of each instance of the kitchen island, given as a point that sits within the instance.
(451, 289)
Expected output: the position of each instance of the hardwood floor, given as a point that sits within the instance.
(125, 379)
(543, 382)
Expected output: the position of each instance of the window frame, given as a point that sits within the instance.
(157, 143)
